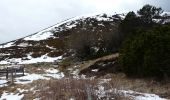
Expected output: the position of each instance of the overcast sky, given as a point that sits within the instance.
(20, 18)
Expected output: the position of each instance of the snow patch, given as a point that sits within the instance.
(54, 73)
(95, 70)
(140, 96)
(56, 76)
(43, 58)
(3, 83)
(101, 92)
(68, 24)
(50, 47)
(24, 45)
(7, 45)
(29, 78)
(5, 54)
(22, 90)
(39, 36)
(11, 96)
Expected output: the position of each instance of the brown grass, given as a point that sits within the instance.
(79, 89)
(140, 85)
(65, 89)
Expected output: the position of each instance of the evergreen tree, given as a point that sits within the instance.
(148, 53)
(129, 24)
(148, 12)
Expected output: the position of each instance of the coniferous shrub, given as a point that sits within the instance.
(147, 54)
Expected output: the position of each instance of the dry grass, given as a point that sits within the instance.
(140, 85)
(65, 89)
(78, 89)
(145, 85)
(37, 68)
(82, 89)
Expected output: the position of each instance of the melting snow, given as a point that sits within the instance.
(29, 78)
(11, 96)
(3, 83)
(31, 60)
(50, 47)
(102, 92)
(22, 90)
(54, 73)
(24, 44)
(4, 54)
(7, 45)
(56, 76)
(39, 36)
(70, 23)
(140, 96)
(95, 70)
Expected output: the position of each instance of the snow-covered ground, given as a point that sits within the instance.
(54, 73)
(141, 96)
(48, 33)
(3, 83)
(7, 45)
(39, 36)
(43, 58)
(69, 24)
(29, 78)
(102, 92)
(11, 96)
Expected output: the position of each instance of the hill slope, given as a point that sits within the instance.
(49, 45)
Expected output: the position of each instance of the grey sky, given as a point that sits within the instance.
(20, 18)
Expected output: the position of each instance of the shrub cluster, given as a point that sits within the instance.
(147, 54)
(145, 50)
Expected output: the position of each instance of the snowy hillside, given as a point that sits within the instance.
(68, 24)
(48, 45)
(41, 46)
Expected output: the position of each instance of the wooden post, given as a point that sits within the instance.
(7, 73)
(15, 71)
(23, 71)
(12, 76)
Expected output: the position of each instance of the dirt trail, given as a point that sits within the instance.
(89, 63)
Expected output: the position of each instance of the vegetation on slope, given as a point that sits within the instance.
(145, 52)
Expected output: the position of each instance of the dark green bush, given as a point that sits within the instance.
(143, 21)
(147, 54)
